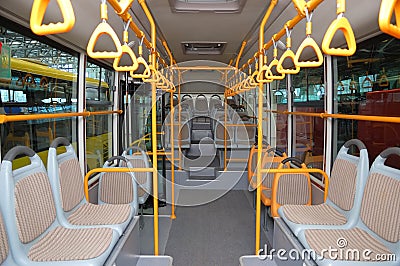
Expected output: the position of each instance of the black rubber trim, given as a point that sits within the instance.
(360, 145)
(188, 96)
(201, 95)
(18, 150)
(390, 151)
(117, 158)
(292, 159)
(60, 141)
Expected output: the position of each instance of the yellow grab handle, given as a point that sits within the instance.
(287, 54)
(262, 73)
(367, 83)
(37, 14)
(343, 25)
(124, 5)
(299, 6)
(154, 76)
(385, 16)
(104, 28)
(309, 42)
(270, 75)
(147, 72)
(383, 81)
(126, 50)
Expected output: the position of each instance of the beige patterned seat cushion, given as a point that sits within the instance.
(321, 214)
(3, 242)
(62, 244)
(92, 214)
(345, 241)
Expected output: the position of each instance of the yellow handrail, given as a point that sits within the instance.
(126, 50)
(287, 54)
(13, 118)
(124, 5)
(274, 63)
(388, 7)
(111, 170)
(39, 8)
(340, 23)
(240, 54)
(311, 5)
(103, 29)
(308, 42)
(141, 61)
(260, 122)
(300, 171)
(153, 123)
(371, 118)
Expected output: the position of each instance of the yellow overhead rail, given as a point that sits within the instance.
(340, 23)
(104, 29)
(126, 50)
(308, 42)
(38, 11)
(388, 7)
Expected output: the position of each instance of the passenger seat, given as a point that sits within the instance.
(342, 207)
(32, 225)
(73, 211)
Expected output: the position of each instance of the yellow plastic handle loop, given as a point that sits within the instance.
(299, 6)
(343, 25)
(126, 50)
(383, 81)
(104, 29)
(367, 83)
(146, 73)
(309, 42)
(39, 8)
(261, 75)
(270, 75)
(287, 54)
(124, 5)
(388, 7)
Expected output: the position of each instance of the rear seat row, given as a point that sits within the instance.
(362, 207)
(46, 217)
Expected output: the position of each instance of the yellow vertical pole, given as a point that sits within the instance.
(260, 124)
(153, 123)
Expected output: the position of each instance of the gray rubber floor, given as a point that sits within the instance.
(217, 233)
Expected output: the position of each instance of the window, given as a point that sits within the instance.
(39, 78)
(99, 97)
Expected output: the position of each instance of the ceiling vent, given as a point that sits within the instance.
(216, 6)
(203, 48)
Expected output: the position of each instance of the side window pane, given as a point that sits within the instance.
(42, 80)
(99, 97)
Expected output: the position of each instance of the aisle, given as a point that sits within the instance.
(217, 233)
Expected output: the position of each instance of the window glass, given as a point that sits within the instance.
(37, 79)
(368, 84)
(309, 96)
(99, 97)
(279, 103)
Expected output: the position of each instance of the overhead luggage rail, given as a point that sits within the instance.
(340, 23)
(38, 11)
